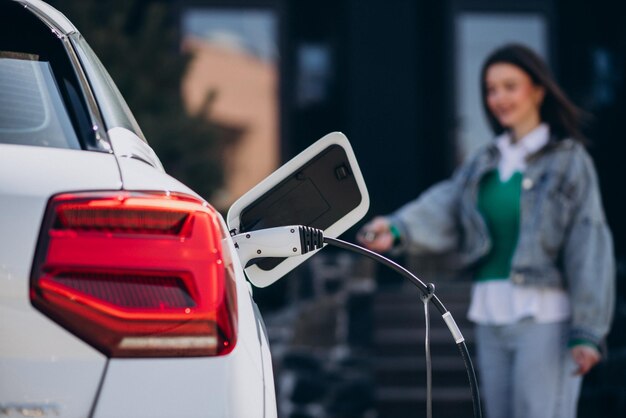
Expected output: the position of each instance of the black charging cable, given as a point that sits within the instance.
(295, 240)
(428, 295)
(429, 367)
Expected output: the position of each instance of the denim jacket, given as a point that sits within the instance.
(564, 240)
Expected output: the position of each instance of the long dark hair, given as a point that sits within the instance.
(556, 109)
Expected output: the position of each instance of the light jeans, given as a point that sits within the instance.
(526, 370)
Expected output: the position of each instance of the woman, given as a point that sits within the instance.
(525, 214)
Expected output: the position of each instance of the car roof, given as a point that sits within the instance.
(50, 16)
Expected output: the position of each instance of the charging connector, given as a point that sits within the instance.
(282, 241)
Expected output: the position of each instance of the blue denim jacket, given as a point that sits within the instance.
(564, 239)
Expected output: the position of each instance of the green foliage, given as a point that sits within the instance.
(137, 41)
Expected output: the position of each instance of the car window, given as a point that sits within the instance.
(42, 100)
(113, 107)
(32, 111)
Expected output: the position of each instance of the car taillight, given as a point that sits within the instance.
(137, 274)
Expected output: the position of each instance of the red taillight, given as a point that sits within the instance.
(136, 274)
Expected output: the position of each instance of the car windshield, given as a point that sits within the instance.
(32, 111)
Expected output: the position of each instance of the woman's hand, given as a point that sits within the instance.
(585, 357)
(376, 235)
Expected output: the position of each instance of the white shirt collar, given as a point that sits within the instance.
(514, 154)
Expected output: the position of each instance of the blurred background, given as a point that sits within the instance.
(227, 90)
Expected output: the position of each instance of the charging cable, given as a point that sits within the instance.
(445, 314)
(429, 367)
(293, 240)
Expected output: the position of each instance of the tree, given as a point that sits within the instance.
(137, 41)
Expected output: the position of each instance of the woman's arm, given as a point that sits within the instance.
(428, 224)
(588, 259)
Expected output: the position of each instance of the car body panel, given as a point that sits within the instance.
(213, 387)
(196, 387)
(40, 362)
(127, 144)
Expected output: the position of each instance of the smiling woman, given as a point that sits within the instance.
(526, 86)
(513, 98)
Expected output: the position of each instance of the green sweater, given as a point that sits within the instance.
(499, 204)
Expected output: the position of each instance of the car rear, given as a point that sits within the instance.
(120, 292)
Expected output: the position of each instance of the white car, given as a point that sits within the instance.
(122, 292)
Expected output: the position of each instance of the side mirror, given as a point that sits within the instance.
(322, 187)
